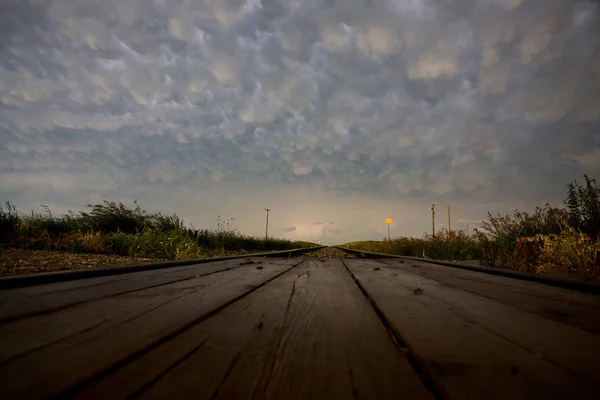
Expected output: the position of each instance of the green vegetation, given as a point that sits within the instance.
(549, 239)
(457, 246)
(111, 228)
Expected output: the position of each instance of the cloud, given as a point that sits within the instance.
(318, 223)
(590, 161)
(376, 40)
(432, 65)
(472, 222)
(381, 102)
(290, 229)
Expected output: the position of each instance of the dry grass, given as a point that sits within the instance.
(23, 261)
(111, 228)
(550, 240)
(328, 252)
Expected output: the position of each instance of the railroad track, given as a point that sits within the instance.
(579, 285)
(282, 327)
(13, 282)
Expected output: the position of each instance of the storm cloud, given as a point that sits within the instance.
(351, 111)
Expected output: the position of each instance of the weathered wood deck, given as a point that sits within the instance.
(294, 329)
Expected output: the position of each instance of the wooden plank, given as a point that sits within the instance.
(480, 348)
(44, 289)
(308, 334)
(570, 307)
(33, 333)
(37, 290)
(77, 292)
(58, 366)
(17, 281)
(534, 288)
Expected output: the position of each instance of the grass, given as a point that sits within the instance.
(456, 246)
(111, 228)
(547, 240)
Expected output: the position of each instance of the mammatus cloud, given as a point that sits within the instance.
(360, 109)
(471, 222)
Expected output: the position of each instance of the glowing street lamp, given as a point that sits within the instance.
(388, 221)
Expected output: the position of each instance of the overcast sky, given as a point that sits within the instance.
(333, 114)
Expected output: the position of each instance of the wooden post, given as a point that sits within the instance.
(449, 228)
(433, 220)
(267, 227)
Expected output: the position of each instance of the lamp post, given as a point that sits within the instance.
(388, 221)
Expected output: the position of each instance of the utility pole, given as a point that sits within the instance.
(432, 220)
(449, 228)
(267, 227)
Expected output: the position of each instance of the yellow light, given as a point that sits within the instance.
(388, 221)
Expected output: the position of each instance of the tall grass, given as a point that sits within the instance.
(500, 236)
(458, 245)
(571, 251)
(113, 228)
(9, 222)
(548, 239)
(583, 207)
(551, 238)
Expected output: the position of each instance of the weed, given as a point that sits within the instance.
(549, 238)
(113, 228)
(457, 246)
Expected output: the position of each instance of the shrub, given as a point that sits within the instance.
(80, 242)
(9, 223)
(154, 243)
(110, 217)
(121, 243)
(164, 222)
(114, 228)
(499, 236)
(583, 205)
(458, 245)
(570, 251)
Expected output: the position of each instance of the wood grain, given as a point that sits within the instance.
(477, 347)
(94, 316)
(581, 310)
(534, 288)
(307, 334)
(47, 298)
(67, 363)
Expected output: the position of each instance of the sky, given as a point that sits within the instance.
(332, 114)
